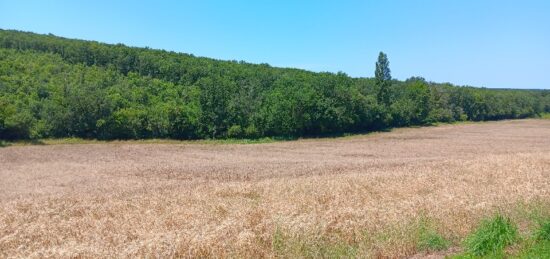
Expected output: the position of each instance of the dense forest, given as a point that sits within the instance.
(52, 87)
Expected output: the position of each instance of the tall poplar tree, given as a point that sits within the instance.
(383, 78)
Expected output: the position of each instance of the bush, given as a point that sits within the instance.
(235, 131)
(251, 132)
(492, 236)
(17, 126)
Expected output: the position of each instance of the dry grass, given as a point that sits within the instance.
(355, 196)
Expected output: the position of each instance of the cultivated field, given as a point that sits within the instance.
(360, 195)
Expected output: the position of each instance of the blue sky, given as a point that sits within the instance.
(486, 43)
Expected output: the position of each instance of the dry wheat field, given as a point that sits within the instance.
(304, 198)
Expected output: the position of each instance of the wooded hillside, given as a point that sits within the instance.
(52, 87)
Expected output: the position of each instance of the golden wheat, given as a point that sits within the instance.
(197, 200)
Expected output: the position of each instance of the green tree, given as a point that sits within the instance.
(382, 75)
(419, 94)
(214, 98)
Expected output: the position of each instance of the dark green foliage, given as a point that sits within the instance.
(235, 131)
(51, 87)
(492, 236)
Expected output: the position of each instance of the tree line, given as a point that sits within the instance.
(52, 87)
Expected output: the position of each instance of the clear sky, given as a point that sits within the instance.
(491, 43)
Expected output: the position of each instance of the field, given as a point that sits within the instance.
(365, 195)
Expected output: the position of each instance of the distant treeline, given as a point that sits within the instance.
(52, 87)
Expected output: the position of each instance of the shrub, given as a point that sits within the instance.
(235, 131)
(492, 236)
(251, 132)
